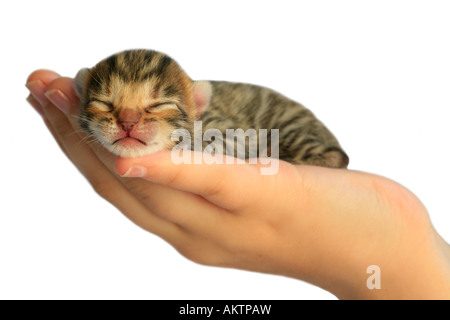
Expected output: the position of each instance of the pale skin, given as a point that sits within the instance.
(324, 226)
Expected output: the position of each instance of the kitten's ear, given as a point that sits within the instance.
(80, 82)
(202, 95)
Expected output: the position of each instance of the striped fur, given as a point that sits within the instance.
(145, 95)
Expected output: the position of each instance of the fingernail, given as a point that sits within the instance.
(59, 99)
(135, 172)
(37, 90)
(35, 104)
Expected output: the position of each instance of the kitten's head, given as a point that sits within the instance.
(132, 101)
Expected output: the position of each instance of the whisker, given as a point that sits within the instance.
(94, 78)
(89, 140)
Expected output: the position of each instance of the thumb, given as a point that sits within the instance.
(222, 184)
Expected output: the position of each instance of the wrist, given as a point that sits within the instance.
(367, 229)
(413, 265)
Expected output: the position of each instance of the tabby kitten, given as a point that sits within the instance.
(132, 101)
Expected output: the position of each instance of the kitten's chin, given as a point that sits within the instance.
(134, 149)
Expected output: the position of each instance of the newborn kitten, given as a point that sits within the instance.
(132, 101)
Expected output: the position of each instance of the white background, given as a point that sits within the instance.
(376, 72)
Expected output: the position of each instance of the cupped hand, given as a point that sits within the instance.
(324, 226)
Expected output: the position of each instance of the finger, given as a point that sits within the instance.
(104, 182)
(159, 199)
(82, 156)
(139, 213)
(56, 137)
(37, 83)
(35, 104)
(61, 93)
(226, 185)
(44, 75)
(190, 211)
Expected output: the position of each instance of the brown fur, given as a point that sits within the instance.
(163, 98)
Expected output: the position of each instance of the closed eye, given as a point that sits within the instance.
(102, 105)
(161, 107)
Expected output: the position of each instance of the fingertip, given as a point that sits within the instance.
(64, 84)
(43, 75)
(62, 89)
(123, 165)
(37, 83)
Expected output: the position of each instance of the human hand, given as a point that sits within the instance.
(324, 226)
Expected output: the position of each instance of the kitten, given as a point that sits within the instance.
(132, 101)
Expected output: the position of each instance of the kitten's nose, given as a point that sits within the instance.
(128, 118)
(127, 125)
